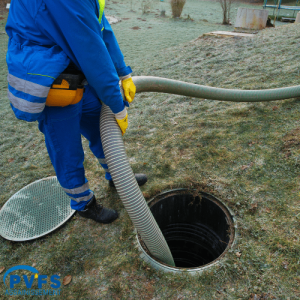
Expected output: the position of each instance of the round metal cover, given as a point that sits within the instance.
(35, 210)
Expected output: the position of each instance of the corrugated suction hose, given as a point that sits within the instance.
(128, 188)
(169, 86)
(119, 166)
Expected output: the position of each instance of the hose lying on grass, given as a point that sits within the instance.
(169, 86)
(118, 163)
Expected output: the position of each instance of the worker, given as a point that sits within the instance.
(62, 58)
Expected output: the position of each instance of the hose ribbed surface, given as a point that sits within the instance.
(163, 85)
(128, 189)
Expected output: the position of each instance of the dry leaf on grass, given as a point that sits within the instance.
(238, 254)
(253, 207)
(2, 269)
(244, 167)
(67, 279)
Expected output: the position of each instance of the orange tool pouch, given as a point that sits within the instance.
(67, 89)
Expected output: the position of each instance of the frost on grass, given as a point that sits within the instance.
(246, 154)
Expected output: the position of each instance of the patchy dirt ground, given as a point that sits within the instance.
(247, 154)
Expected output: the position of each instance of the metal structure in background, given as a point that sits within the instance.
(36, 210)
(277, 6)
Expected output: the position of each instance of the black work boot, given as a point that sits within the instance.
(98, 213)
(140, 178)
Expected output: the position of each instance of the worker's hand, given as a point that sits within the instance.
(123, 124)
(122, 120)
(129, 89)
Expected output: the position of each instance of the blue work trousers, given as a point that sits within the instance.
(63, 127)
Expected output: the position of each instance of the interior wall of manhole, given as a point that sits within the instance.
(198, 228)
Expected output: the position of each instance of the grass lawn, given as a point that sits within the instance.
(246, 154)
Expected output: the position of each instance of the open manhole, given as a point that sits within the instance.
(198, 228)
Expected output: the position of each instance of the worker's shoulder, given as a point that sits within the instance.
(71, 2)
(31, 6)
(66, 4)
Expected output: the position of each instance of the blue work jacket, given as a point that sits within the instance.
(44, 37)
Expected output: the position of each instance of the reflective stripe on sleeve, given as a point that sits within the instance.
(78, 190)
(24, 105)
(85, 198)
(28, 87)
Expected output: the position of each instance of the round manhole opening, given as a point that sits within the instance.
(198, 228)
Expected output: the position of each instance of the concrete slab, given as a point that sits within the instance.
(112, 19)
(228, 34)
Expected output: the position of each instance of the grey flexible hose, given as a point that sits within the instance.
(163, 85)
(128, 189)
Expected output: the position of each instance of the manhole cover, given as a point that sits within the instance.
(34, 211)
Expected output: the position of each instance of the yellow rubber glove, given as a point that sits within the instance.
(123, 123)
(129, 89)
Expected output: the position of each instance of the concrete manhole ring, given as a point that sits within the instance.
(198, 228)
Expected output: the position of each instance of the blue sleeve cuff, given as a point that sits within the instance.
(25, 116)
(117, 108)
(124, 71)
